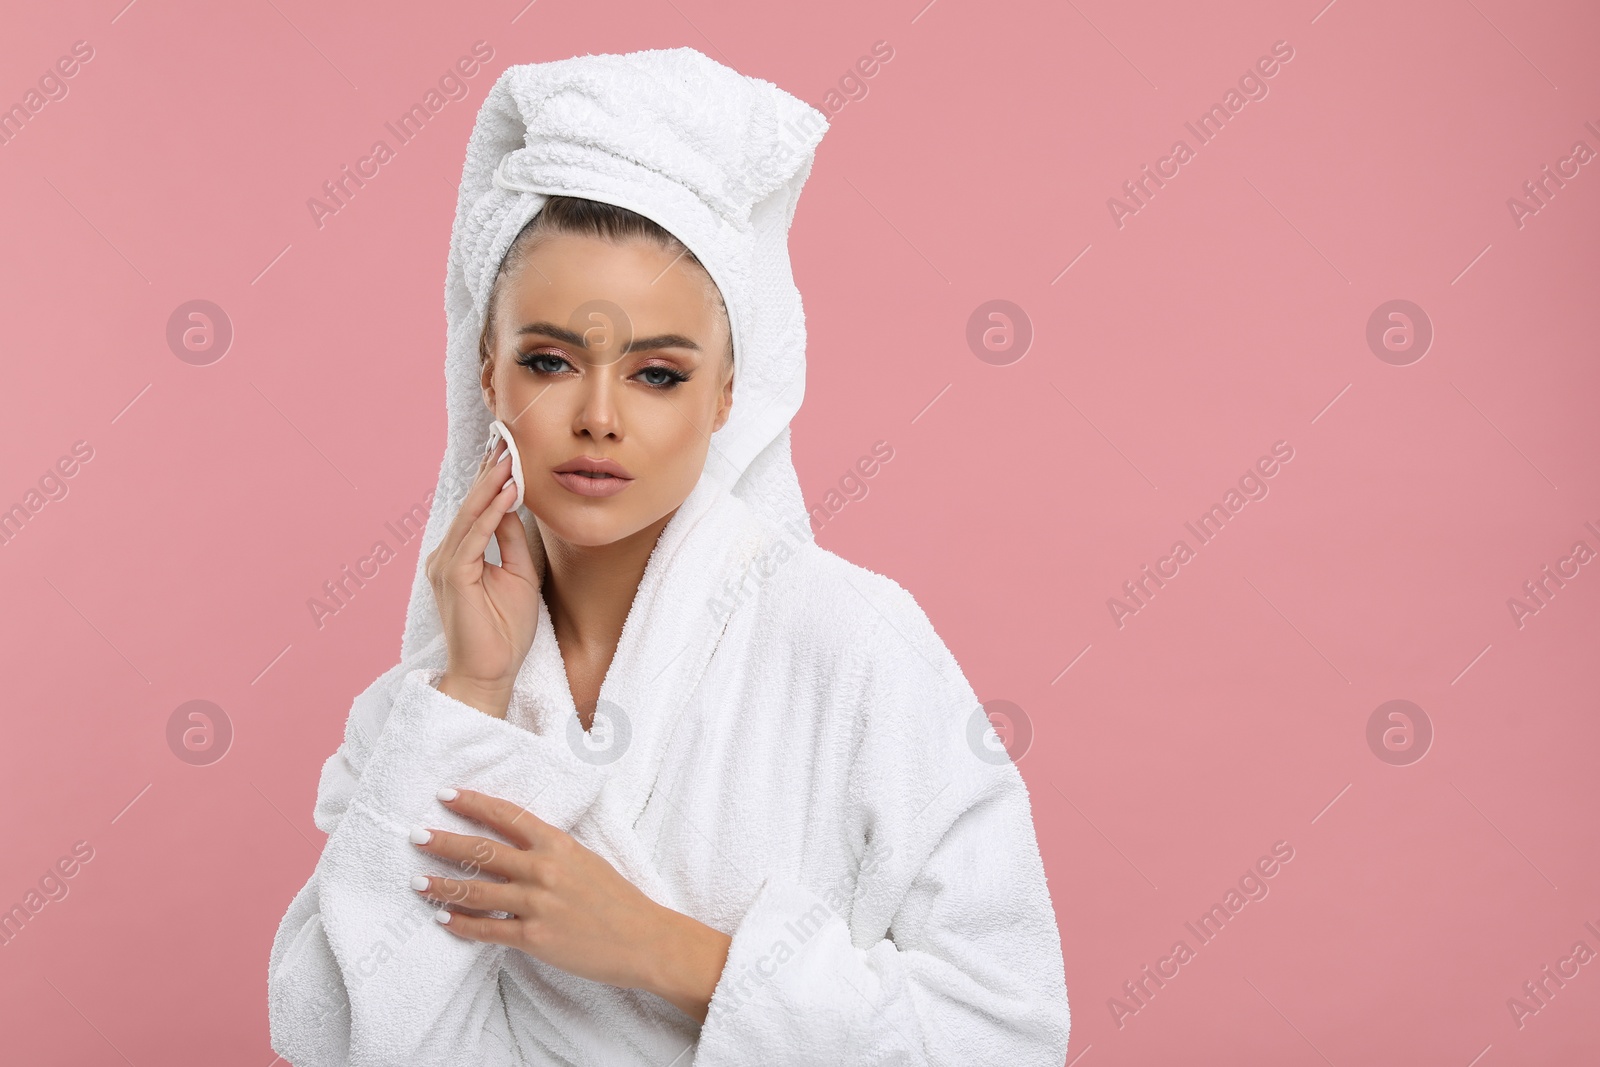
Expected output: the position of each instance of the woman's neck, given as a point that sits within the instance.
(590, 588)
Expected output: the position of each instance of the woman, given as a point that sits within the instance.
(662, 781)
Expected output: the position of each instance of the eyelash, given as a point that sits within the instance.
(675, 377)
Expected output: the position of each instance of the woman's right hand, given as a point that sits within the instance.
(488, 613)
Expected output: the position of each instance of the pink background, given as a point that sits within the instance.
(1168, 354)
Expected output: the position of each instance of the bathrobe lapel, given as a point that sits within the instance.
(677, 618)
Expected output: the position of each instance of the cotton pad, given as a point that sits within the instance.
(499, 431)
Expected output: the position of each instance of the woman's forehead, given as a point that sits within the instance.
(568, 279)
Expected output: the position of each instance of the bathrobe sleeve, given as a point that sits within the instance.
(952, 954)
(360, 973)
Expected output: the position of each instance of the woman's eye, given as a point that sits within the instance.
(535, 361)
(545, 363)
(670, 378)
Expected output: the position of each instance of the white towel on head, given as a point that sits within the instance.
(784, 749)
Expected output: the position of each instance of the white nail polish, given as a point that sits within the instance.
(441, 916)
(420, 835)
(419, 882)
(448, 793)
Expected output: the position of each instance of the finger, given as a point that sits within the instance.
(444, 551)
(515, 558)
(493, 931)
(470, 895)
(469, 550)
(517, 823)
(471, 911)
(485, 486)
(471, 854)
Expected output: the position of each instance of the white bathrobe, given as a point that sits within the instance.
(784, 748)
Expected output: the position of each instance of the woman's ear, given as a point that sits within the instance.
(724, 403)
(486, 382)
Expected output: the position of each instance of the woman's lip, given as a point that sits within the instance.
(584, 485)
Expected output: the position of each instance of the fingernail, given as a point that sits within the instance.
(420, 835)
(448, 793)
(442, 917)
(419, 882)
(509, 483)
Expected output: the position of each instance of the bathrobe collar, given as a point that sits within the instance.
(669, 637)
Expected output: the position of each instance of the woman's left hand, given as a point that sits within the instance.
(569, 907)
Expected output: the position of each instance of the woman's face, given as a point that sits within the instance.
(590, 341)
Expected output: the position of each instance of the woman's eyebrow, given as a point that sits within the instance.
(638, 344)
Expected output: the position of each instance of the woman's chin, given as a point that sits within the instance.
(585, 525)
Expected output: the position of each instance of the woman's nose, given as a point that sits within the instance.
(597, 412)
